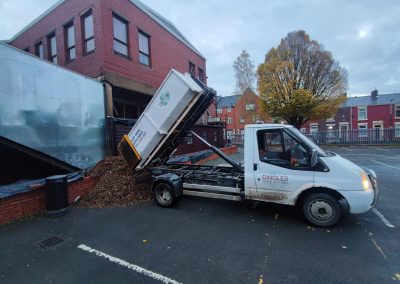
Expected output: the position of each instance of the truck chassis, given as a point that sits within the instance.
(208, 181)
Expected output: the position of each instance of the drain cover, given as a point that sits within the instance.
(50, 242)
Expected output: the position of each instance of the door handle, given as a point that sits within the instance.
(255, 167)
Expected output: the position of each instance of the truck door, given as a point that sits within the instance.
(281, 165)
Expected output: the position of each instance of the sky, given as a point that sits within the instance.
(363, 35)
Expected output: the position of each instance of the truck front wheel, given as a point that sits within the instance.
(164, 195)
(322, 209)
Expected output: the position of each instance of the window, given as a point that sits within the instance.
(362, 113)
(192, 69)
(121, 45)
(397, 130)
(144, 48)
(229, 120)
(241, 120)
(88, 33)
(397, 111)
(313, 129)
(278, 148)
(250, 107)
(69, 36)
(189, 139)
(201, 74)
(27, 49)
(39, 49)
(219, 110)
(362, 130)
(256, 118)
(330, 131)
(52, 48)
(229, 109)
(215, 136)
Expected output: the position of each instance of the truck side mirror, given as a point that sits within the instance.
(314, 158)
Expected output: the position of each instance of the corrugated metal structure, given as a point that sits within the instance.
(50, 109)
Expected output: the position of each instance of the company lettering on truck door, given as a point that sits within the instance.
(282, 164)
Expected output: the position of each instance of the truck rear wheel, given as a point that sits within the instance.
(322, 209)
(164, 195)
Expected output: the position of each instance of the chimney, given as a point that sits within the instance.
(374, 94)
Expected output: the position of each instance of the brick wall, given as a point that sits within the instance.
(166, 50)
(34, 202)
(212, 134)
(249, 116)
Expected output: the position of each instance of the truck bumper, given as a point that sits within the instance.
(362, 201)
(359, 201)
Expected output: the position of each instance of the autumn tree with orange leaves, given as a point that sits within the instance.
(300, 81)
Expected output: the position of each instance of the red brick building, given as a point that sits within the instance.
(358, 116)
(123, 43)
(238, 110)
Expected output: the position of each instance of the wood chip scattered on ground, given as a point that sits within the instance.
(116, 186)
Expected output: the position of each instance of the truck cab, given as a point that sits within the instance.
(283, 166)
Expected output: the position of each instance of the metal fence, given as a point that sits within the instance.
(356, 137)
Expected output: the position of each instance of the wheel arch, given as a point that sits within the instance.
(172, 179)
(342, 200)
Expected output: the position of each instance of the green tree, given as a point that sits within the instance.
(245, 74)
(300, 81)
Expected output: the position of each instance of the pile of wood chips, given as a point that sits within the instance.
(116, 186)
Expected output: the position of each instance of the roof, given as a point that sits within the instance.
(227, 101)
(163, 22)
(372, 101)
(166, 24)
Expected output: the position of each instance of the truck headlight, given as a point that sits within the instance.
(365, 182)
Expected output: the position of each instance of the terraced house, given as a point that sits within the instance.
(123, 43)
(365, 119)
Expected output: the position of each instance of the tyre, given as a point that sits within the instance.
(322, 209)
(164, 195)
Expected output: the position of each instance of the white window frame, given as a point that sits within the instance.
(189, 139)
(330, 130)
(361, 126)
(242, 120)
(229, 120)
(366, 113)
(250, 107)
(219, 110)
(396, 107)
(397, 129)
(313, 128)
(229, 109)
(256, 118)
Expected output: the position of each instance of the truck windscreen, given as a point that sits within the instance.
(308, 141)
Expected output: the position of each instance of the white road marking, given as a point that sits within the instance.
(128, 265)
(383, 149)
(384, 164)
(383, 218)
(378, 248)
(348, 149)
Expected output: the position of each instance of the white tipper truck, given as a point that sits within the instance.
(281, 165)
